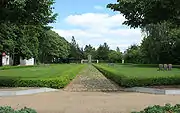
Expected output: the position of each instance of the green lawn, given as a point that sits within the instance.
(56, 76)
(128, 75)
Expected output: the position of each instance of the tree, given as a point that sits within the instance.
(102, 52)
(32, 12)
(53, 46)
(139, 13)
(20, 24)
(75, 51)
(115, 56)
(133, 54)
(89, 50)
(118, 50)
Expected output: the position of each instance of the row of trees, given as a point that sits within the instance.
(159, 21)
(103, 52)
(24, 31)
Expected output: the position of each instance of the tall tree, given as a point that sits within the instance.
(53, 46)
(75, 52)
(89, 50)
(133, 54)
(102, 52)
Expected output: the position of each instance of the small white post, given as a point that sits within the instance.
(97, 61)
(122, 61)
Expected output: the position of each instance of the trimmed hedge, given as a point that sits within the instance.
(15, 67)
(168, 108)
(59, 82)
(125, 81)
(7, 109)
(147, 65)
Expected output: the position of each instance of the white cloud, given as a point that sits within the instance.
(97, 28)
(98, 7)
(96, 20)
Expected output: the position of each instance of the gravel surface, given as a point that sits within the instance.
(92, 80)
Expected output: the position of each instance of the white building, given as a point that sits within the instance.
(7, 60)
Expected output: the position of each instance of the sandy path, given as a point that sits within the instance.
(87, 102)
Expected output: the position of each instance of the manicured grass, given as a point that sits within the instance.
(130, 76)
(55, 76)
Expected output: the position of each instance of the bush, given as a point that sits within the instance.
(15, 67)
(133, 81)
(59, 82)
(7, 109)
(161, 109)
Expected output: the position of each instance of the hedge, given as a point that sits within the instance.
(147, 65)
(125, 81)
(15, 67)
(168, 108)
(59, 82)
(8, 109)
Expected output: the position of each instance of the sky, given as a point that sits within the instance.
(90, 22)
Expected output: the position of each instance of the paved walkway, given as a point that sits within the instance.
(92, 80)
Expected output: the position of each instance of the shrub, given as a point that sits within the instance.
(15, 67)
(7, 109)
(161, 109)
(59, 82)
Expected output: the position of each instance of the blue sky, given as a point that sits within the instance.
(92, 23)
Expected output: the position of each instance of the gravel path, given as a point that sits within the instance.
(91, 80)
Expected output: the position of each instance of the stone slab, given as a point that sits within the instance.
(153, 90)
(25, 92)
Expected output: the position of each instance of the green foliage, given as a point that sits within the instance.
(75, 51)
(89, 50)
(102, 52)
(132, 75)
(168, 108)
(160, 25)
(14, 67)
(164, 39)
(8, 109)
(31, 12)
(139, 13)
(52, 46)
(115, 56)
(133, 55)
(52, 76)
(21, 25)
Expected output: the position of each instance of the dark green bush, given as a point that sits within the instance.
(124, 81)
(7, 109)
(161, 109)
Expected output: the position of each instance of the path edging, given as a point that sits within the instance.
(26, 92)
(153, 90)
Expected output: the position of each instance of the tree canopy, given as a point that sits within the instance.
(139, 13)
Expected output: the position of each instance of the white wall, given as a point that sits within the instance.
(27, 62)
(5, 60)
(30, 61)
